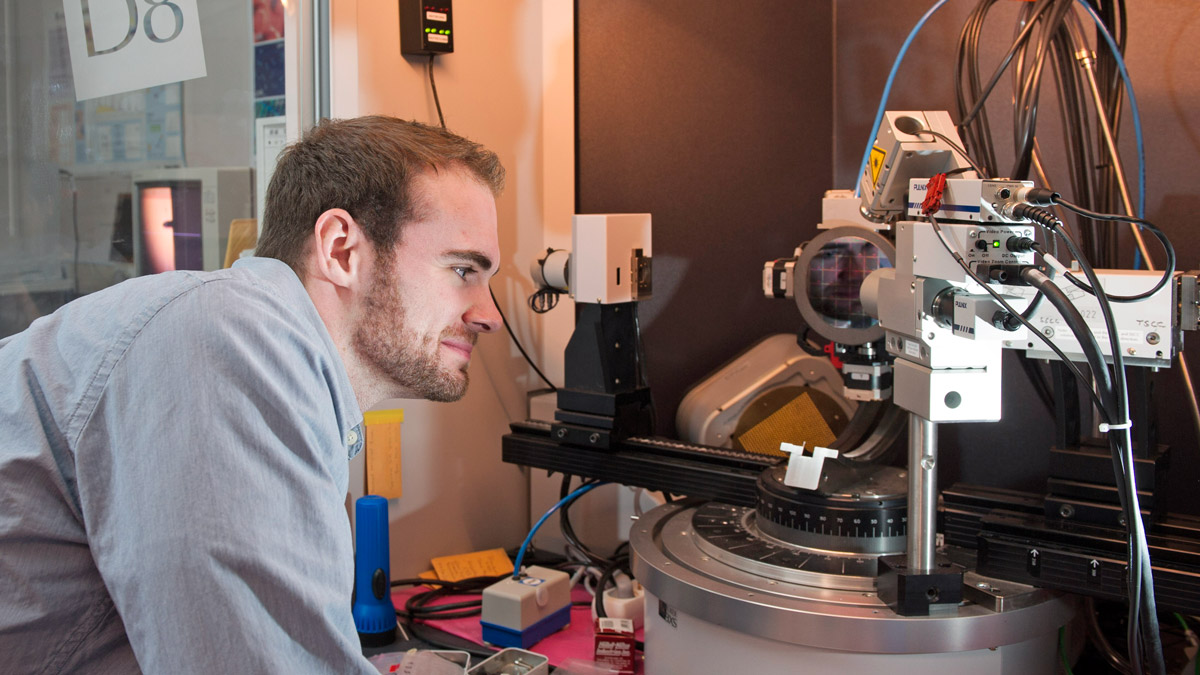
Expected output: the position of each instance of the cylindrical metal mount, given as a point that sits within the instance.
(922, 493)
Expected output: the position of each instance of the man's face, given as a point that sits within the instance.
(429, 299)
(835, 278)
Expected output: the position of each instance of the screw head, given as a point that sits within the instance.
(593, 438)
(561, 433)
(1066, 511)
(1153, 338)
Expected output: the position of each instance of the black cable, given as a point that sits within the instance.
(443, 640)
(1029, 93)
(1114, 658)
(1168, 270)
(436, 101)
(543, 300)
(517, 342)
(1008, 57)
(1141, 601)
(568, 531)
(1143, 619)
(957, 148)
(1076, 324)
(1087, 384)
(804, 343)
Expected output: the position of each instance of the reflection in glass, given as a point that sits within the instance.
(835, 278)
(171, 228)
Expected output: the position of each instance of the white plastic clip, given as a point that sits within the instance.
(1105, 428)
(804, 471)
(1055, 263)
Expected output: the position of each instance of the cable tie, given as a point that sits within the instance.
(1105, 427)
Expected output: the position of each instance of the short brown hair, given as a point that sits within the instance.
(366, 166)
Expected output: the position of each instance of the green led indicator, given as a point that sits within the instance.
(996, 244)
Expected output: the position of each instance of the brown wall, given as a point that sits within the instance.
(713, 117)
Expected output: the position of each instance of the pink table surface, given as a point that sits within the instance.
(576, 641)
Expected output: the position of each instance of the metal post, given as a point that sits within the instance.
(922, 493)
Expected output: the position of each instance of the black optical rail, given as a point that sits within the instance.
(1014, 540)
(718, 474)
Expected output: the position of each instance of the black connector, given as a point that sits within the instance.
(1038, 196)
(1005, 321)
(1037, 215)
(1011, 275)
(1020, 244)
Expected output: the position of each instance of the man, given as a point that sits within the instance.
(173, 450)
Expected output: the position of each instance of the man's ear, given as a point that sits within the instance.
(340, 249)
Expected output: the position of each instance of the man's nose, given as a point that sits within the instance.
(484, 315)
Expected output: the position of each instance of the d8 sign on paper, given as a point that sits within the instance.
(119, 46)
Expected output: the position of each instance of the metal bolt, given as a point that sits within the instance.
(1048, 331)
(561, 433)
(1131, 351)
(593, 438)
(1152, 338)
(973, 234)
(1066, 511)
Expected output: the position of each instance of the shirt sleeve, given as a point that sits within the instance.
(212, 479)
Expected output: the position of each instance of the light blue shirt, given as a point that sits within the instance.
(173, 474)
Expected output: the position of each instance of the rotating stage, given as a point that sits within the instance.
(727, 588)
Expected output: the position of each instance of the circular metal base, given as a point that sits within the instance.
(689, 572)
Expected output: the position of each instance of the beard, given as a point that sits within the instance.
(402, 355)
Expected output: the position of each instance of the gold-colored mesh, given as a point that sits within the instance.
(798, 421)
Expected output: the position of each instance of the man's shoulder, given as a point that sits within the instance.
(253, 306)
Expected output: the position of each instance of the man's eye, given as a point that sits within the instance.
(463, 271)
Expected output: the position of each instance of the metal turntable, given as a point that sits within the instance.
(792, 584)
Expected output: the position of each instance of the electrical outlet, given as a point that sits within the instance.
(426, 27)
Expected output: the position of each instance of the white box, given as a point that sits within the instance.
(603, 252)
